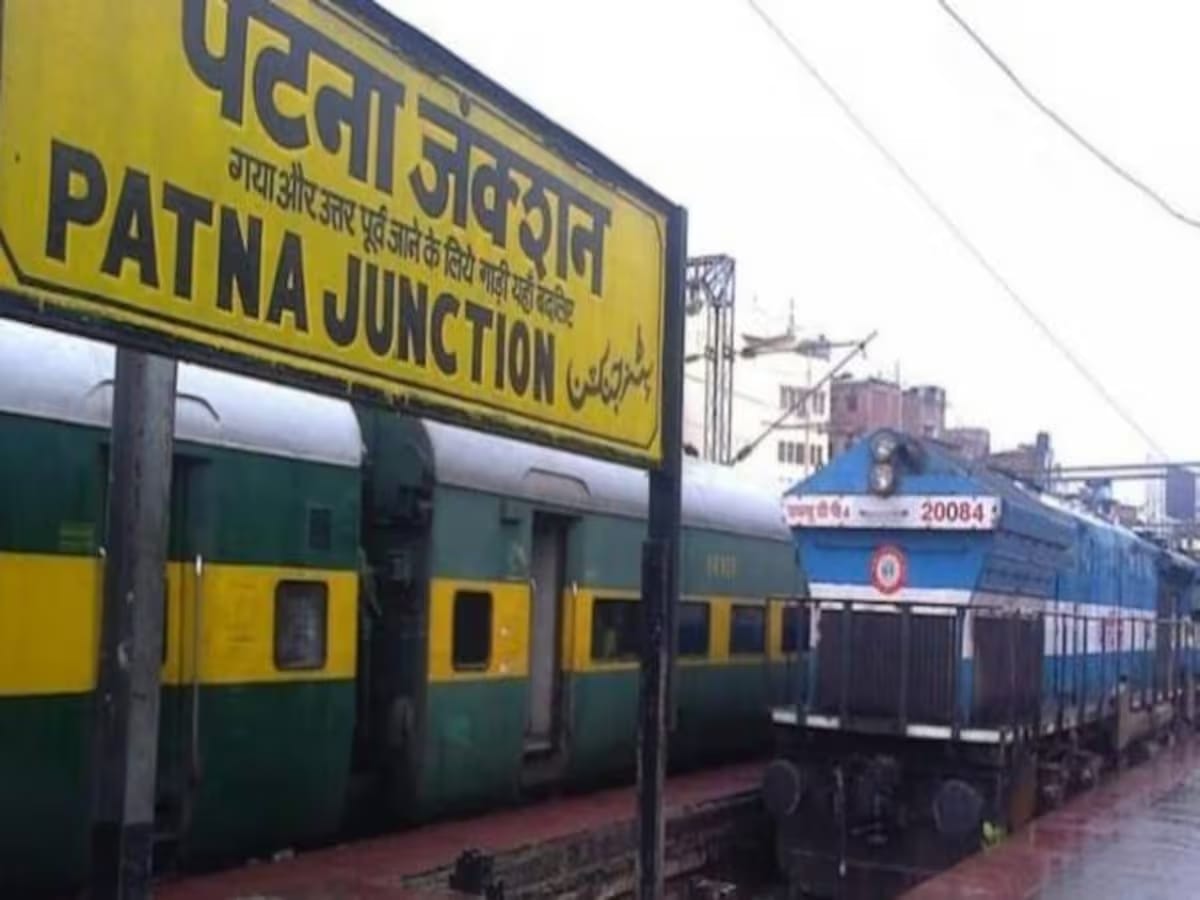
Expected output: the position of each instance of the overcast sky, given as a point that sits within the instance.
(699, 99)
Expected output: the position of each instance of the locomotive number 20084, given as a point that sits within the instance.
(952, 511)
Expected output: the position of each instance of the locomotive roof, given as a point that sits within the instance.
(945, 471)
(64, 378)
(713, 496)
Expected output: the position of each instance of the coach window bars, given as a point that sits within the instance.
(615, 628)
(472, 636)
(747, 630)
(301, 624)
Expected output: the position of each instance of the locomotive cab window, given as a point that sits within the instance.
(748, 629)
(301, 624)
(693, 629)
(615, 628)
(472, 629)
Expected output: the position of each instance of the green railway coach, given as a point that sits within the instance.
(259, 653)
(370, 618)
(504, 651)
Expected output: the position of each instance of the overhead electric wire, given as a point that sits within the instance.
(749, 398)
(953, 227)
(751, 446)
(1107, 161)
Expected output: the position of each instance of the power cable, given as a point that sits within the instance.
(1112, 165)
(749, 398)
(955, 230)
(751, 446)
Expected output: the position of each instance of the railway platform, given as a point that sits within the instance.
(1136, 835)
(572, 845)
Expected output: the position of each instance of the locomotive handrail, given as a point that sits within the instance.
(1073, 669)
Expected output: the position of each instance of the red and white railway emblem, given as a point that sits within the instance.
(889, 569)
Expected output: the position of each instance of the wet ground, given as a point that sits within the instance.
(1153, 855)
(1135, 836)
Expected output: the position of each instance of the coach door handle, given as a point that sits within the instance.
(197, 623)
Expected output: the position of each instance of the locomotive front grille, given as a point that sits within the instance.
(931, 670)
(865, 664)
(864, 671)
(1007, 668)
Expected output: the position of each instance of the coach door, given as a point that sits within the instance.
(178, 714)
(180, 718)
(547, 571)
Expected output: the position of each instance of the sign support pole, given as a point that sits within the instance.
(127, 690)
(660, 579)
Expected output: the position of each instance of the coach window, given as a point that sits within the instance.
(472, 629)
(693, 629)
(615, 628)
(748, 630)
(301, 624)
(795, 629)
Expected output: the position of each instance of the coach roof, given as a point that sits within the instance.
(713, 496)
(60, 377)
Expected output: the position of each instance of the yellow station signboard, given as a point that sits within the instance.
(302, 191)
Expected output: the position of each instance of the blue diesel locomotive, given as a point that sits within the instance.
(972, 650)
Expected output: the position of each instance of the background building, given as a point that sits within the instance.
(973, 443)
(782, 376)
(862, 405)
(859, 406)
(924, 411)
(800, 446)
(1029, 462)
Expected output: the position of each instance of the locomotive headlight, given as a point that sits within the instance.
(883, 446)
(882, 479)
